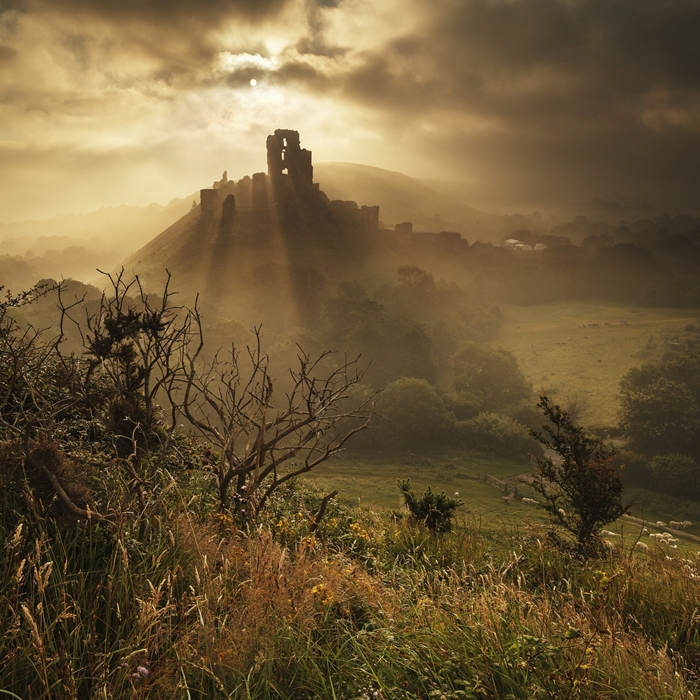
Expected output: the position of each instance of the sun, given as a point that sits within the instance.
(253, 82)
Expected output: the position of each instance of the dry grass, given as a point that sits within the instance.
(370, 608)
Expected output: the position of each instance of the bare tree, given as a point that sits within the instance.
(138, 354)
(265, 438)
(134, 346)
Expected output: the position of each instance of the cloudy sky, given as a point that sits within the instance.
(528, 102)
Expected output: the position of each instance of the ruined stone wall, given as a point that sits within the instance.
(228, 213)
(346, 213)
(260, 199)
(369, 219)
(286, 157)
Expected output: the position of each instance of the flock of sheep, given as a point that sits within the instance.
(663, 537)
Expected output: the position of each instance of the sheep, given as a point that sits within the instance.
(562, 512)
(665, 537)
(608, 544)
(680, 524)
(660, 523)
(610, 533)
(641, 545)
(530, 501)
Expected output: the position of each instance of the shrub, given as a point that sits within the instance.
(582, 489)
(434, 510)
(676, 474)
(494, 434)
(636, 469)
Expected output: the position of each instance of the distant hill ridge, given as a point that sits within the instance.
(279, 230)
(403, 198)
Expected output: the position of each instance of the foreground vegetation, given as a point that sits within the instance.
(368, 606)
(142, 558)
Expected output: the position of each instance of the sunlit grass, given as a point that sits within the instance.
(369, 481)
(383, 610)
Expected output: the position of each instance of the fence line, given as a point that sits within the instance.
(501, 485)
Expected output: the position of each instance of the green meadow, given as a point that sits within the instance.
(566, 360)
(370, 483)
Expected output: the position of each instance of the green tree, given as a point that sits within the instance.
(395, 345)
(582, 486)
(413, 415)
(657, 413)
(491, 377)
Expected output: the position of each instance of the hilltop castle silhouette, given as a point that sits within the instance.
(286, 190)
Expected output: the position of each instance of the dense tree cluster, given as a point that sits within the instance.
(661, 405)
(660, 416)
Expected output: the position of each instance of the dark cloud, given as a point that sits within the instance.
(7, 5)
(167, 11)
(576, 93)
(531, 98)
(315, 40)
(485, 53)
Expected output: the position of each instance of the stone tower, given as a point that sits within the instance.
(286, 157)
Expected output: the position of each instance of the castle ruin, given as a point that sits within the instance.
(287, 186)
(286, 157)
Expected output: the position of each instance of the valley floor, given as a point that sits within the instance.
(580, 349)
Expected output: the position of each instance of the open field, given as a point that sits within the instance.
(370, 482)
(565, 359)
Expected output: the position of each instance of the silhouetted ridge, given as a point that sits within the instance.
(244, 232)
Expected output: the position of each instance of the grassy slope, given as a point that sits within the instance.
(371, 483)
(563, 359)
(532, 333)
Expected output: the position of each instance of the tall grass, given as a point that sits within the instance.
(368, 607)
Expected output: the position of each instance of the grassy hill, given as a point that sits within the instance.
(567, 360)
(402, 198)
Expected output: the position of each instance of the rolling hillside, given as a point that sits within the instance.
(402, 198)
(562, 351)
